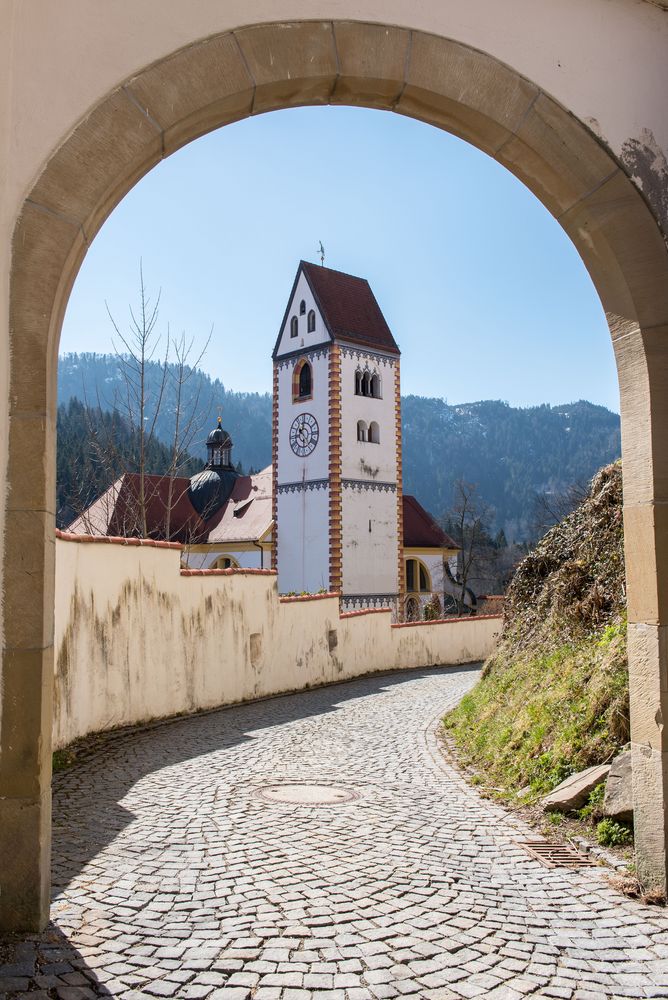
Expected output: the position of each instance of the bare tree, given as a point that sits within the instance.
(186, 425)
(551, 507)
(138, 404)
(141, 344)
(468, 521)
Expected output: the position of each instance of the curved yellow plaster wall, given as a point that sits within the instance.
(138, 640)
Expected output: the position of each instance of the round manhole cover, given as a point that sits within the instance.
(307, 794)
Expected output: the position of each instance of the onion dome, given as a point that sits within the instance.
(212, 487)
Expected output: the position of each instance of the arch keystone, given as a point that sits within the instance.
(292, 64)
(372, 64)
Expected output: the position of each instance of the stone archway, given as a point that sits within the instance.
(261, 68)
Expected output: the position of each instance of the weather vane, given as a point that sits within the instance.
(322, 254)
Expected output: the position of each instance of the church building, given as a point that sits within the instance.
(329, 514)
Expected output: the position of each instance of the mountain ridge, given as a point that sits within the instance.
(513, 453)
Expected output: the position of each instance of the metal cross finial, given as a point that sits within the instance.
(322, 254)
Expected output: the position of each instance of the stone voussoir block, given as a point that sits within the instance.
(291, 63)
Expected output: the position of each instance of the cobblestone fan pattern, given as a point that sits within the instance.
(175, 876)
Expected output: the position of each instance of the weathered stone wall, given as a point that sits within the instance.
(137, 638)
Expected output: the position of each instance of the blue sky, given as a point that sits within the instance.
(484, 292)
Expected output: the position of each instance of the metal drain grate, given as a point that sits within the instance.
(555, 855)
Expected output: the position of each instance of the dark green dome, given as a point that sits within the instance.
(210, 489)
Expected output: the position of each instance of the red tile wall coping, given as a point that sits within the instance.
(68, 536)
(230, 571)
(366, 611)
(447, 621)
(306, 597)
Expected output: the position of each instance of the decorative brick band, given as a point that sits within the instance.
(230, 571)
(363, 355)
(447, 621)
(148, 543)
(368, 484)
(335, 530)
(401, 573)
(292, 598)
(274, 472)
(314, 354)
(303, 487)
(366, 611)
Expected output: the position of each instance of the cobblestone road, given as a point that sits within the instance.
(176, 877)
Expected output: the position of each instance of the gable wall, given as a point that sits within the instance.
(286, 343)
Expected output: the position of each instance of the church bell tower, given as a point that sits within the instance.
(337, 443)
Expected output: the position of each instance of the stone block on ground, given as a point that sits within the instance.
(574, 791)
(618, 799)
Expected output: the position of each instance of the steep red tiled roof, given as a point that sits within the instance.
(116, 512)
(420, 529)
(246, 516)
(349, 307)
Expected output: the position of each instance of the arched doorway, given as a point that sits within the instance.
(231, 74)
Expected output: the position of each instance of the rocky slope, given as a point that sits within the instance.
(554, 698)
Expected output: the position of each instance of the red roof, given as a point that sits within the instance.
(420, 529)
(117, 511)
(349, 307)
(246, 515)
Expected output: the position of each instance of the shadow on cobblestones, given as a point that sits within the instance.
(46, 965)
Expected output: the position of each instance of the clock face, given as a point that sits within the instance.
(304, 434)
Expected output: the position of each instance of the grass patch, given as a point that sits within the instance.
(537, 716)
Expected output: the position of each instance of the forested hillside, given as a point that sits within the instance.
(97, 379)
(512, 454)
(94, 448)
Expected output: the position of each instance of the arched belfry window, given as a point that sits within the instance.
(294, 326)
(302, 307)
(305, 381)
(374, 432)
(367, 384)
(302, 381)
(310, 324)
(361, 430)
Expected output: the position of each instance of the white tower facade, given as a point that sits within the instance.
(337, 443)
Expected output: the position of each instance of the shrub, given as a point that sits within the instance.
(592, 809)
(612, 834)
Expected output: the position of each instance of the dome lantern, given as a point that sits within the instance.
(219, 448)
